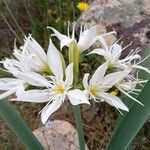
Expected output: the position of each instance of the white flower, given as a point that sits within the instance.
(99, 84)
(34, 56)
(85, 39)
(112, 55)
(30, 57)
(9, 86)
(30, 77)
(128, 85)
(57, 89)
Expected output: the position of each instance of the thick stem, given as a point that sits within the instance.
(74, 55)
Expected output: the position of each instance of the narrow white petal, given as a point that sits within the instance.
(128, 95)
(99, 73)
(116, 51)
(130, 58)
(77, 97)
(33, 78)
(69, 75)
(99, 51)
(65, 42)
(33, 47)
(8, 83)
(36, 96)
(114, 101)
(141, 68)
(85, 80)
(115, 77)
(86, 38)
(7, 93)
(49, 109)
(57, 34)
(54, 61)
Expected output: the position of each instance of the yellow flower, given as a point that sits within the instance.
(115, 92)
(82, 6)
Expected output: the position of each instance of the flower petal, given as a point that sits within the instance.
(33, 78)
(36, 96)
(114, 101)
(85, 80)
(77, 97)
(141, 68)
(49, 109)
(69, 75)
(64, 40)
(100, 52)
(86, 38)
(33, 47)
(99, 73)
(128, 95)
(7, 93)
(8, 83)
(115, 77)
(54, 61)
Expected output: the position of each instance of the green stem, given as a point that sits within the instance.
(18, 126)
(74, 56)
(79, 126)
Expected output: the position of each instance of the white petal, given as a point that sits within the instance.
(100, 52)
(85, 80)
(36, 96)
(7, 93)
(116, 51)
(128, 95)
(65, 42)
(86, 38)
(114, 101)
(57, 34)
(77, 97)
(99, 73)
(103, 42)
(69, 75)
(115, 77)
(49, 109)
(130, 58)
(141, 68)
(33, 47)
(33, 78)
(54, 61)
(8, 83)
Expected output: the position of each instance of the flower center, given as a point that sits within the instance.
(93, 90)
(60, 89)
(115, 92)
(111, 64)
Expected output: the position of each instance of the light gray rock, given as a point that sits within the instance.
(57, 135)
(129, 18)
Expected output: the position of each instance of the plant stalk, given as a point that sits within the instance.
(74, 55)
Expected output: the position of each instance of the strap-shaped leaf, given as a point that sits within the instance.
(132, 122)
(18, 126)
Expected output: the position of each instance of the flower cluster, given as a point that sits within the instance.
(53, 82)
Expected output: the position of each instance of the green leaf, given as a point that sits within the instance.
(18, 126)
(132, 122)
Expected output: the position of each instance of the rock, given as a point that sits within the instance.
(129, 18)
(58, 134)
